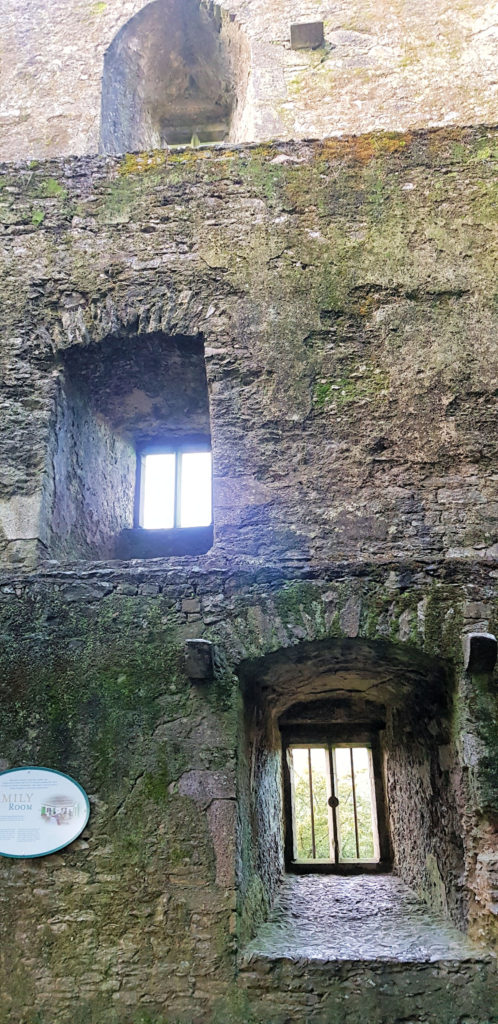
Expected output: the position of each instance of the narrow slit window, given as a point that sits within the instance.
(333, 804)
(175, 489)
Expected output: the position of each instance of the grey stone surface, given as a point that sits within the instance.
(328, 918)
(398, 67)
(364, 948)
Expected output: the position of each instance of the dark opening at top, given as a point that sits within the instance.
(167, 79)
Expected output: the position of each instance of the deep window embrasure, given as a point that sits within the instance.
(132, 459)
(168, 79)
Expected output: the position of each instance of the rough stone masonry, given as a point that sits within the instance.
(326, 311)
(344, 292)
(389, 67)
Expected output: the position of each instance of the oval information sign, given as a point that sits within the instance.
(41, 811)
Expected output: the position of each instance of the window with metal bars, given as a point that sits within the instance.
(333, 796)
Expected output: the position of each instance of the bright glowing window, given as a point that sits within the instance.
(175, 488)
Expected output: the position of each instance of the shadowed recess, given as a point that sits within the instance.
(354, 691)
(167, 79)
(378, 671)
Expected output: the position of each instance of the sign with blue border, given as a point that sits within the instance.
(41, 811)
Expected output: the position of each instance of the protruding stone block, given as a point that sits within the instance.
(199, 663)
(307, 36)
(479, 652)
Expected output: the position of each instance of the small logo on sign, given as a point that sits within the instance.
(60, 810)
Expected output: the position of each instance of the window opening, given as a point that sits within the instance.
(168, 78)
(175, 489)
(333, 804)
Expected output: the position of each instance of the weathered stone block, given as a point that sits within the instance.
(307, 36)
(199, 660)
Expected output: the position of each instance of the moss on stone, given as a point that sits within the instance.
(51, 189)
(294, 599)
(444, 623)
(360, 383)
(94, 696)
(234, 1008)
(142, 163)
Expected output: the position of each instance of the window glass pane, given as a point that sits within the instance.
(362, 793)
(195, 495)
(312, 832)
(345, 809)
(301, 800)
(321, 793)
(158, 491)
(364, 796)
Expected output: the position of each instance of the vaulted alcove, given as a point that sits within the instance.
(168, 78)
(343, 695)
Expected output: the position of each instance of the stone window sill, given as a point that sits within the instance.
(140, 543)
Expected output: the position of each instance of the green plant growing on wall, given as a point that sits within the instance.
(51, 189)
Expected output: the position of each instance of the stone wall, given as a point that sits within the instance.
(393, 67)
(140, 919)
(344, 293)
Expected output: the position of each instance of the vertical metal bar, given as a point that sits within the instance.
(353, 786)
(334, 808)
(330, 809)
(379, 824)
(178, 488)
(289, 798)
(310, 776)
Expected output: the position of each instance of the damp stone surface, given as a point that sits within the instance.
(325, 918)
(303, 272)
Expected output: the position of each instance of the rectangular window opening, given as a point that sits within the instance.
(175, 489)
(333, 804)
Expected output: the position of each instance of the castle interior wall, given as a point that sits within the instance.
(432, 64)
(327, 310)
